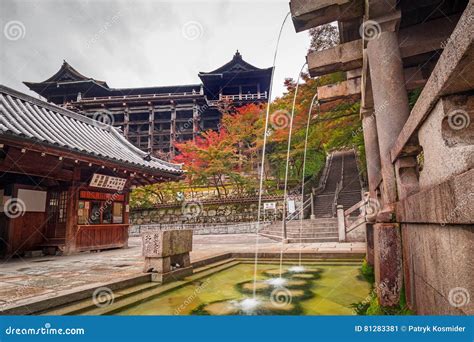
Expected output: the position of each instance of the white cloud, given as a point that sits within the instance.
(141, 43)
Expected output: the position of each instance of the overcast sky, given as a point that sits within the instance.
(145, 42)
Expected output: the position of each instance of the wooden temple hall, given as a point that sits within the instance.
(419, 145)
(154, 118)
(65, 178)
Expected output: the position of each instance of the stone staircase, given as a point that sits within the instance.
(317, 230)
(343, 181)
(340, 186)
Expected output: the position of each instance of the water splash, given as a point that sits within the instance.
(297, 269)
(247, 305)
(277, 282)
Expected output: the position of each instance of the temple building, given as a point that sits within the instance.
(154, 118)
(65, 179)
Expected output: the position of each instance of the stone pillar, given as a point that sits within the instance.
(388, 263)
(372, 152)
(390, 100)
(341, 226)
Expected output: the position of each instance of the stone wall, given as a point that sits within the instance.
(201, 213)
(439, 268)
(200, 229)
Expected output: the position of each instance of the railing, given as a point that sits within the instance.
(139, 96)
(257, 96)
(324, 176)
(361, 219)
(295, 215)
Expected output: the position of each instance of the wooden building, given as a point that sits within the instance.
(65, 178)
(154, 118)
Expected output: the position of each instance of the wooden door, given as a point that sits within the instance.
(57, 214)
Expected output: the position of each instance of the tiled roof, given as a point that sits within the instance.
(25, 117)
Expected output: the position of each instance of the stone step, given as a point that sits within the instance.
(313, 240)
(306, 240)
(297, 231)
(87, 306)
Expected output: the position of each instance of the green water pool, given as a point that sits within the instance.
(322, 289)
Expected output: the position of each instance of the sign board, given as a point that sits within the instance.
(107, 182)
(101, 196)
(269, 206)
(291, 206)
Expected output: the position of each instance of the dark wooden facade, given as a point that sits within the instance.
(154, 118)
(56, 197)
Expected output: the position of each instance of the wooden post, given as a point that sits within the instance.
(71, 213)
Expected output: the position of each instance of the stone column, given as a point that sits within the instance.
(372, 152)
(391, 112)
(341, 226)
(390, 100)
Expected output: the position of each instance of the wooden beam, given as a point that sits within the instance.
(415, 40)
(33, 164)
(454, 73)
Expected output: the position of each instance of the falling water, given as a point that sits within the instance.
(262, 167)
(300, 268)
(285, 191)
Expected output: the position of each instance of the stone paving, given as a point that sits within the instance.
(23, 280)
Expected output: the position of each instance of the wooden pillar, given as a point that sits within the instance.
(388, 263)
(151, 128)
(71, 212)
(172, 129)
(195, 120)
(126, 120)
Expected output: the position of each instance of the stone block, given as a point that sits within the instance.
(167, 242)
